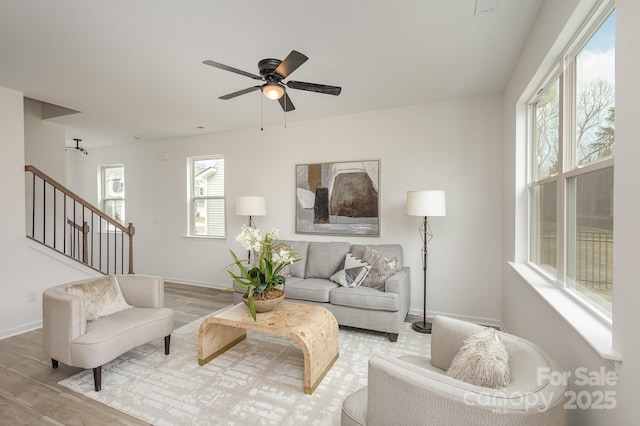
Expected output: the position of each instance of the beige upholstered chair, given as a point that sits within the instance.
(74, 336)
(414, 390)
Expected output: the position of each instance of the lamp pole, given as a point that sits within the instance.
(425, 204)
(425, 232)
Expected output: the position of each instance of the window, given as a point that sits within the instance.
(113, 192)
(206, 196)
(571, 168)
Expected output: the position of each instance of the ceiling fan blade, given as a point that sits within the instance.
(235, 70)
(312, 87)
(239, 92)
(286, 104)
(290, 63)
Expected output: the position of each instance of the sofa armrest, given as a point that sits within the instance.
(405, 394)
(398, 283)
(402, 393)
(64, 319)
(142, 291)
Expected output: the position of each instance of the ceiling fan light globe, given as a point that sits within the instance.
(273, 91)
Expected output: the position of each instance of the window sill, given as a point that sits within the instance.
(204, 237)
(596, 333)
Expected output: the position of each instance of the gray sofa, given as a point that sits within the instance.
(361, 307)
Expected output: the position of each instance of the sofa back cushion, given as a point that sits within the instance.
(302, 250)
(324, 258)
(388, 251)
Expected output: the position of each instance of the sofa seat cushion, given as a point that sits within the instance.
(311, 289)
(112, 335)
(365, 298)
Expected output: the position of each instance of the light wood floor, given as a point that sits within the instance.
(29, 390)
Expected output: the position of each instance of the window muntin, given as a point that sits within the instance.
(113, 195)
(571, 170)
(206, 199)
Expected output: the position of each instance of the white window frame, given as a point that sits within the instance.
(568, 168)
(104, 191)
(194, 195)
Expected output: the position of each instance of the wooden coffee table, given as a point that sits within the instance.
(314, 328)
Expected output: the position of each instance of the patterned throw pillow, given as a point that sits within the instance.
(381, 268)
(352, 273)
(482, 360)
(102, 296)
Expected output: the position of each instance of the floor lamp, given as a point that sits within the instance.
(250, 205)
(426, 204)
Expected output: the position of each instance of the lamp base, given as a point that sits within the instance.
(422, 327)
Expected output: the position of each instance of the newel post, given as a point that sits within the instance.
(132, 231)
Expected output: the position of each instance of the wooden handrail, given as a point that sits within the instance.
(81, 227)
(73, 196)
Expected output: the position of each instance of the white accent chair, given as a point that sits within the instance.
(70, 338)
(413, 390)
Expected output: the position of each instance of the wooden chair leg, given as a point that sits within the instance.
(54, 363)
(167, 344)
(97, 378)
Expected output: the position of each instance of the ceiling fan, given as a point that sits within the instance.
(272, 72)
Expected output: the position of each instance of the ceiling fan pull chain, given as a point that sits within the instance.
(285, 107)
(261, 118)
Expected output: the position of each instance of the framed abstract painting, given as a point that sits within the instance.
(341, 198)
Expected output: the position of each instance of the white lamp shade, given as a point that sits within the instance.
(426, 203)
(251, 205)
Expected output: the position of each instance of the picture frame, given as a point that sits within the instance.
(338, 198)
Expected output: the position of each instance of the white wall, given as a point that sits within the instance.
(453, 145)
(22, 267)
(44, 142)
(523, 311)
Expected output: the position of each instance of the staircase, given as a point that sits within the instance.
(63, 221)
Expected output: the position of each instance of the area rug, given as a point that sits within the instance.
(258, 382)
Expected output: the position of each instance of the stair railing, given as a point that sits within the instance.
(63, 221)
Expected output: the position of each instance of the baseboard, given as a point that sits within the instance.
(20, 329)
(491, 322)
(217, 286)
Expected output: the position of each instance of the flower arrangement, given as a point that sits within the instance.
(271, 258)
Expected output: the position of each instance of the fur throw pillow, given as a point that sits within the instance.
(381, 268)
(482, 360)
(102, 296)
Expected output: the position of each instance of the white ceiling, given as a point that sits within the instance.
(134, 67)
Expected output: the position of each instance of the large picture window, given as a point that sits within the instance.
(206, 196)
(571, 168)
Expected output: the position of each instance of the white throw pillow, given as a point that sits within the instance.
(353, 272)
(102, 296)
(482, 360)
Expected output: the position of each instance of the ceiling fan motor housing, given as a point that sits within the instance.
(267, 69)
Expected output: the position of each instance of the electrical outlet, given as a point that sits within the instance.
(32, 296)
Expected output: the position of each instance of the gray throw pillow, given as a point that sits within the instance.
(381, 268)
